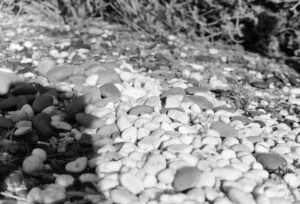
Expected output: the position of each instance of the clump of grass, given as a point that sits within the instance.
(269, 27)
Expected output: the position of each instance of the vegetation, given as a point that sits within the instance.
(270, 27)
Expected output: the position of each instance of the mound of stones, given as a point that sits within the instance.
(130, 138)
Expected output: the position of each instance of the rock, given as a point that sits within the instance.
(109, 166)
(149, 143)
(186, 178)
(178, 116)
(224, 129)
(24, 89)
(7, 79)
(64, 180)
(122, 196)
(201, 101)
(5, 123)
(62, 72)
(173, 101)
(54, 194)
(196, 89)
(89, 121)
(123, 123)
(92, 79)
(42, 102)
(109, 90)
(141, 109)
(131, 183)
(260, 84)
(227, 173)
(77, 166)
(271, 162)
(77, 79)
(243, 119)
(129, 134)
(108, 130)
(32, 164)
(238, 196)
(166, 176)
(107, 76)
(45, 65)
(155, 163)
(172, 91)
(134, 92)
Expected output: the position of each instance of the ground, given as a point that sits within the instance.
(175, 121)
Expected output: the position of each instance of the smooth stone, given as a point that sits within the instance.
(179, 148)
(108, 130)
(45, 65)
(243, 119)
(260, 84)
(129, 135)
(201, 101)
(132, 183)
(62, 72)
(42, 102)
(122, 196)
(172, 91)
(238, 196)
(178, 116)
(92, 79)
(134, 92)
(270, 161)
(109, 90)
(77, 79)
(7, 79)
(107, 184)
(89, 121)
(107, 77)
(141, 109)
(277, 200)
(5, 123)
(149, 143)
(227, 173)
(196, 89)
(186, 178)
(103, 102)
(109, 166)
(77, 166)
(166, 176)
(224, 129)
(173, 101)
(155, 163)
(24, 89)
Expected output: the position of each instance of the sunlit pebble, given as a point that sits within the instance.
(197, 66)
(28, 44)
(224, 59)
(213, 51)
(182, 54)
(29, 75)
(26, 60)
(115, 54)
(82, 50)
(15, 47)
(60, 61)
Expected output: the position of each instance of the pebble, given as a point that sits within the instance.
(109, 90)
(77, 166)
(131, 183)
(201, 101)
(107, 77)
(238, 196)
(166, 176)
(122, 196)
(123, 123)
(140, 110)
(92, 79)
(89, 120)
(227, 173)
(149, 143)
(186, 178)
(109, 166)
(5, 123)
(134, 92)
(271, 162)
(155, 163)
(224, 129)
(172, 91)
(178, 116)
(129, 135)
(196, 89)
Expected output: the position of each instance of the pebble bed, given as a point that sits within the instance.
(155, 141)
